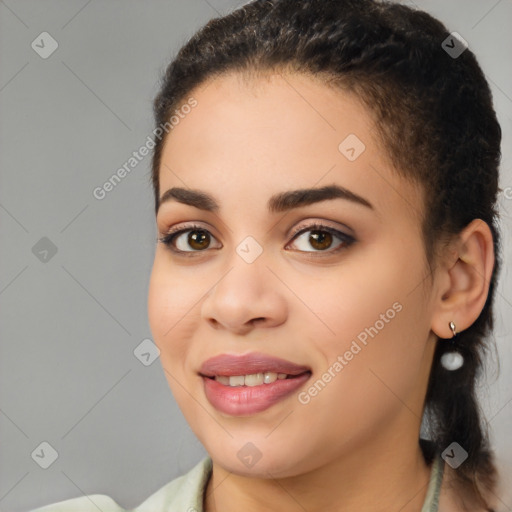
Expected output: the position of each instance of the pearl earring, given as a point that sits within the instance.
(452, 360)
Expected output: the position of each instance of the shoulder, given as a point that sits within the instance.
(499, 501)
(90, 503)
(503, 499)
(183, 493)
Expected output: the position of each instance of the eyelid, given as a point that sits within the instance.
(314, 223)
(181, 227)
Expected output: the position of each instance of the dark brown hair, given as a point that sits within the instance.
(435, 119)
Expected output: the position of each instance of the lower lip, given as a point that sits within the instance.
(247, 400)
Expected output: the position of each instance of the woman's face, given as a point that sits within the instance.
(346, 302)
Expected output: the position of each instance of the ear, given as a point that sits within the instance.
(464, 278)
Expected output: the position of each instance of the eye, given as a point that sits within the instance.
(321, 238)
(198, 239)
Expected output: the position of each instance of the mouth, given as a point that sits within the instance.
(243, 385)
(252, 366)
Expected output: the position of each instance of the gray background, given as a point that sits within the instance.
(69, 325)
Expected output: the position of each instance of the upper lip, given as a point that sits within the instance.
(248, 364)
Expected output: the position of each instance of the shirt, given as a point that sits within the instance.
(185, 494)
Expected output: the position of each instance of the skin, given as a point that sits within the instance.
(354, 446)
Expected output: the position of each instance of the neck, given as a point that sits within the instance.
(369, 479)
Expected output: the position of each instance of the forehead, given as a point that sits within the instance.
(257, 135)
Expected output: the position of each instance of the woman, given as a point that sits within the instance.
(325, 196)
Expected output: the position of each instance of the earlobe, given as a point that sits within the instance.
(463, 299)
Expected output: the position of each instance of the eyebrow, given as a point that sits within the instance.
(277, 203)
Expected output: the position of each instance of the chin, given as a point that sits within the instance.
(259, 459)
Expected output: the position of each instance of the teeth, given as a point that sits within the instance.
(254, 379)
(236, 380)
(269, 377)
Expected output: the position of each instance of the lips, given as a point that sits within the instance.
(248, 398)
(248, 364)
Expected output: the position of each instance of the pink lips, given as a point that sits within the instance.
(248, 400)
(247, 364)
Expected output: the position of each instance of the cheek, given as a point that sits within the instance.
(171, 318)
(348, 304)
(171, 299)
(374, 313)
(368, 371)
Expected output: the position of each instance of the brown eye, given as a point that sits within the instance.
(321, 238)
(198, 239)
(189, 240)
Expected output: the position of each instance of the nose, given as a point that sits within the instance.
(248, 295)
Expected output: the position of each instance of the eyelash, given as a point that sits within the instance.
(346, 240)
